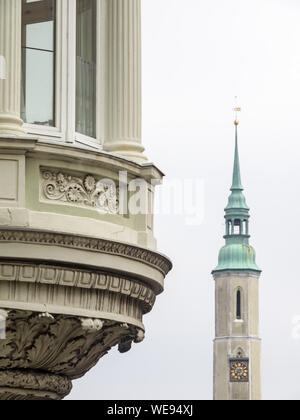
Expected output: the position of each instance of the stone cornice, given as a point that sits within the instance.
(36, 148)
(146, 256)
(17, 145)
(246, 273)
(238, 338)
(93, 157)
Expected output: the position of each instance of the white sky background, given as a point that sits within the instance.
(197, 55)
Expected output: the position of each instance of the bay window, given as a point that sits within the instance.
(60, 70)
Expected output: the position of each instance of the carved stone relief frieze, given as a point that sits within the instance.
(86, 191)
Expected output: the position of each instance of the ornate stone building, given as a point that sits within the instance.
(78, 271)
(237, 344)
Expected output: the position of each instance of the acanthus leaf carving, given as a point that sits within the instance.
(58, 344)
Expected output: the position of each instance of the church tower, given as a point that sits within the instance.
(237, 344)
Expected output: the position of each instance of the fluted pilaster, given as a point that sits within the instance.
(10, 51)
(123, 79)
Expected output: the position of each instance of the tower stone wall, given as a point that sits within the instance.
(236, 339)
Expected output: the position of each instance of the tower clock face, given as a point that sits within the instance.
(239, 370)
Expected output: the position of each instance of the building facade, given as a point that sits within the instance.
(237, 344)
(79, 267)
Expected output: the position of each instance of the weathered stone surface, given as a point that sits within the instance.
(32, 385)
(42, 353)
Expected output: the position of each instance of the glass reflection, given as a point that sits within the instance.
(38, 62)
(86, 67)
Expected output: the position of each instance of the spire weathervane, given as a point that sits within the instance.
(236, 110)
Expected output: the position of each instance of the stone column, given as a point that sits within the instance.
(10, 81)
(122, 84)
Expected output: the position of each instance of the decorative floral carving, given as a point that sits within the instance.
(84, 191)
(90, 183)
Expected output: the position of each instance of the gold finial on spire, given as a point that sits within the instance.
(236, 110)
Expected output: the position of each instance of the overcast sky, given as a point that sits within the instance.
(197, 55)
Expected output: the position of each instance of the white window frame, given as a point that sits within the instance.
(65, 82)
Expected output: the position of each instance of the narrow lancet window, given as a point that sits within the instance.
(238, 305)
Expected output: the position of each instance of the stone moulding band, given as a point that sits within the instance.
(237, 338)
(17, 271)
(34, 384)
(154, 259)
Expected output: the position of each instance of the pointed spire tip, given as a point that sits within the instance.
(236, 179)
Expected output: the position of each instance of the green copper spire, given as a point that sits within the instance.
(237, 254)
(237, 206)
(236, 179)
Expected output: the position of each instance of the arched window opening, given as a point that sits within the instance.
(228, 227)
(238, 305)
(237, 227)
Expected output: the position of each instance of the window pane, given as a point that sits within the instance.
(86, 68)
(40, 35)
(39, 90)
(38, 62)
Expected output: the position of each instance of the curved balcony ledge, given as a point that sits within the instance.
(25, 164)
(73, 282)
(33, 147)
(149, 266)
